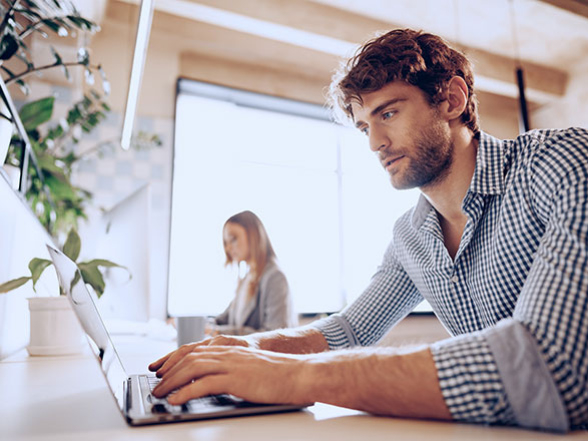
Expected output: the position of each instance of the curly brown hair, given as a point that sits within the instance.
(420, 59)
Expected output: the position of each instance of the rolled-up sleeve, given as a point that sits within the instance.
(531, 369)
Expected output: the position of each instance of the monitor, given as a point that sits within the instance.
(123, 238)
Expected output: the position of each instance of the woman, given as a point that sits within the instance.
(262, 301)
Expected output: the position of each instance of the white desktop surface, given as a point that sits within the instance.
(66, 398)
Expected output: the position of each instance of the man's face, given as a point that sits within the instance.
(409, 135)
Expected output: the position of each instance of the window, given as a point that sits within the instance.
(325, 201)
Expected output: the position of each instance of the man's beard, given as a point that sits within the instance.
(430, 161)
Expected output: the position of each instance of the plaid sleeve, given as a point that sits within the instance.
(389, 297)
(553, 304)
(470, 382)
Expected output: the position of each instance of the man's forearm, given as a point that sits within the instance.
(302, 340)
(380, 381)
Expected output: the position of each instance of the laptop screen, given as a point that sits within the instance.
(71, 283)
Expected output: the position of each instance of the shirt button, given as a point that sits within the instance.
(455, 279)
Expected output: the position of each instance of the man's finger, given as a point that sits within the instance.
(158, 363)
(209, 385)
(223, 340)
(192, 367)
(174, 358)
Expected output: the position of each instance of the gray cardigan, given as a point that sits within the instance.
(272, 308)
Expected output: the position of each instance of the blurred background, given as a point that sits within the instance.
(231, 116)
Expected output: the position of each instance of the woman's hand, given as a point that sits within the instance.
(165, 363)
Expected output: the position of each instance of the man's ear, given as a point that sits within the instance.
(456, 97)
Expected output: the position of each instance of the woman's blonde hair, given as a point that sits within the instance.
(261, 251)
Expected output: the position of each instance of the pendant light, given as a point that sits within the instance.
(524, 124)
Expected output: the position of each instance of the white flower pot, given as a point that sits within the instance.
(55, 329)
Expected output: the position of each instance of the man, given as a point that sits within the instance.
(498, 244)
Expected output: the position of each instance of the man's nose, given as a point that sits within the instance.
(378, 139)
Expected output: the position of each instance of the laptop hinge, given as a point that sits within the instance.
(128, 394)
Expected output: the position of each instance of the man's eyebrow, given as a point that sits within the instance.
(386, 104)
(382, 107)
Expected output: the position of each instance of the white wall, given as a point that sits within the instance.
(572, 110)
(22, 237)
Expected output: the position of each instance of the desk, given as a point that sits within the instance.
(66, 398)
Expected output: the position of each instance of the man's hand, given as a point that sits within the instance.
(253, 374)
(383, 381)
(302, 340)
(165, 363)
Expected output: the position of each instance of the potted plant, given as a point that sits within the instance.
(56, 202)
(54, 148)
(53, 145)
(55, 158)
(23, 19)
(54, 327)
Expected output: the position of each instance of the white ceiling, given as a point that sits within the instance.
(546, 34)
(551, 41)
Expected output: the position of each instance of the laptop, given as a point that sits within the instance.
(132, 393)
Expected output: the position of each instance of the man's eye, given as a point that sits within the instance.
(365, 130)
(389, 114)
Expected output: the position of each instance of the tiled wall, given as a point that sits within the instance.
(113, 174)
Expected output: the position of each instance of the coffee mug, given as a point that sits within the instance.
(190, 329)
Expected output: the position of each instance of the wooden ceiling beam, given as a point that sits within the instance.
(228, 40)
(578, 7)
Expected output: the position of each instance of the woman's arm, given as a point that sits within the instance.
(223, 318)
(275, 301)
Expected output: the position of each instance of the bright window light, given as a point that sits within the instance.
(326, 202)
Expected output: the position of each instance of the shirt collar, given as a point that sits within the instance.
(423, 213)
(489, 173)
(488, 177)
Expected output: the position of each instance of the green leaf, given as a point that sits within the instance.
(24, 88)
(58, 59)
(66, 72)
(51, 25)
(31, 4)
(48, 164)
(73, 115)
(37, 266)
(89, 76)
(82, 23)
(60, 190)
(37, 112)
(107, 264)
(32, 15)
(93, 277)
(73, 245)
(8, 71)
(8, 47)
(13, 284)
(83, 57)
(42, 32)
(103, 262)
(26, 61)
(75, 280)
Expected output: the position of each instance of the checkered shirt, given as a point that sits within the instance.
(523, 257)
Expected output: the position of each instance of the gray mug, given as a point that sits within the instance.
(190, 329)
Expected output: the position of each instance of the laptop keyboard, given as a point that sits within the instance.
(161, 405)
